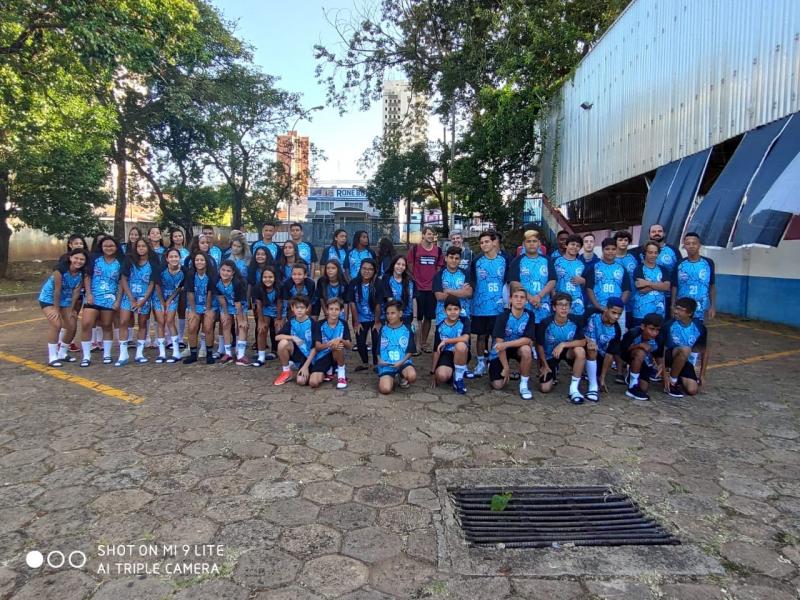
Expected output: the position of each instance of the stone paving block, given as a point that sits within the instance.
(359, 476)
(366, 593)
(186, 530)
(328, 492)
(760, 592)
(349, 515)
(70, 584)
(228, 509)
(310, 541)
(67, 497)
(340, 458)
(290, 512)
(15, 518)
(366, 445)
(292, 592)
(334, 575)
(371, 544)
(269, 568)
(307, 473)
(692, 591)
(546, 589)
(177, 505)
(408, 479)
(215, 589)
(402, 577)
(272, 490)
(324, 443)
(743, 486)
(380, 496)
(133, 588)
(421, 543)
(425, 498)
(248, 535)
(758, 559)
(404, 519)
(164, 485)
(296, 454)
(618, 590)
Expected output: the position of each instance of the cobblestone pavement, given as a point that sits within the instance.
(331, 494)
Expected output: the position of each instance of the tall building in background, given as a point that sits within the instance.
(293, 153)
(404, 112)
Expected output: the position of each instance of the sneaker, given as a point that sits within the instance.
(73, 347)
(225, 359)
(327, 377)
(675, 390)
(480, 370)
(403, 383)
(656, 379)
(576, 398)
(637, 393)
(620, 379)
(284, 377)
(216, 355)
(341, 383)
(202, 353)
(459, 386)
(525, 392)
(243, 362)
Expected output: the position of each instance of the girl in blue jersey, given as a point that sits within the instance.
(155, 240)
(338, 249)
(331, 338)
(364, 301)
(398, 285)
(231, 293)
(134, 235)
(57, 298)
(74, 242)
(268, 302)
(330, 285)
(386, 254)
(358, 253)
(286, 261)
(201, 243)
(102, 298)
(240, 255)
(177, 240)
(260, 260)
(169, 286)
(298, 284)
(396, 349)
(201, 283)
(140, 271)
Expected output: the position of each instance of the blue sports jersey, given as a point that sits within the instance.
(534, 274)
(302, 330)
(324, 333)
(366, 311)
(446, 280)
(549, 333)
(105, 281)
(446, 331)
(668, 258)
(290, 289)
(694, 280)
(139, 277)
(287, 271)
(607, 280)
(395, 289)
(634, 337)
(395, 342)
(232, 294)
(269, 302)
(604, 335)
(242, 265)
(565, 270)
(305, 252)
(169, 282)
(271, 247)
(216, 254)
(184, 252)
(354, 260)
(488, 275)
(200, 289)
(653, 301)
(68, 284)
(629, 263)
(510, 328)
(677, 335)
(159, 249)
(337, 254)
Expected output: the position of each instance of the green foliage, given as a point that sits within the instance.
(500, 501)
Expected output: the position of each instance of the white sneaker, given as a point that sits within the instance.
(186, 352)
(480, 369)
(525, 392)
(202, 352)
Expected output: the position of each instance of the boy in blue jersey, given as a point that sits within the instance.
(396, 348)
(331, 338)
(304, 250)
(570, 274)
(684, 338)
(295, 343)
(561, 244)
(651, 284)
(560, 337)
(693, 277)
(514, 331)
(452, 281)
(535, 274)
(299, 284)
(267, 233)
(668, 255)
(641, 348)
(213, 250)
(603, 335)
(451, 344)
(607, 278)
(487, 273)
(629, 261)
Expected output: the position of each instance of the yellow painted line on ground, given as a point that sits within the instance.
(22, 322)
(754, 328)
(95, 386)
(754, 359)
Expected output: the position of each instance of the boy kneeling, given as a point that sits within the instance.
(558, 338)
(331, 338)
(642, 349)
(603, 335)
(396, 349)
(295, 342)
(452, 346)
(683, 338)
(513, 334)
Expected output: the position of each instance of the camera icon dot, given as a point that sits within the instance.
(34, 559)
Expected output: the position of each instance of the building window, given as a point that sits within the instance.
(321, 206)
(353, 204)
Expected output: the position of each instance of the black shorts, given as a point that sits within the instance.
(323, 365)
(298, 357)
(496, 367)
(483, 325)
(646, 373)
(426, 305)
(688, 371)
(448, 359)
(44, 304)
(95, 307)
(554, 362)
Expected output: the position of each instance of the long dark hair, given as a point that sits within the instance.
(210, 271)
(97, 248)
(333, 240)
(237, 279)
(268, 263)
(385, 249)
(76, 236)
(405, 279)
(133, 256)
(358, 281)
(324, 284)
(357, 239)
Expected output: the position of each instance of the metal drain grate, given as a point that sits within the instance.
(542, 517)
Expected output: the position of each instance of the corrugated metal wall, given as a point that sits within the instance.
(668, 79)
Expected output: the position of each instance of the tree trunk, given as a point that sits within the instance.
(236, 221)
(120, 160)
(5, 230)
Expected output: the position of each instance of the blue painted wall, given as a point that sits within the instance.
(766, 298)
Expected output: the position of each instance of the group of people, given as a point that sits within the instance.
(569, 306)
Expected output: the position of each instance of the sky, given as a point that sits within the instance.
(282, 35)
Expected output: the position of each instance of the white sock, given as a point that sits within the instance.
(591, 374)
(228, 350)
(340, 372)
(61, 335)
(534, 353)
(139, 348)
(634, 379)
(107, 344)
(523, 381)
(286, 367)
(459, 372)
(62, 350)
(202, 337)
(176, 347)
(123, 350)
(162, 348)
(221, 344)
(203, 347)
(241, 348)
(87, 350)
(181, 328)
(673, 380)
(573, 384)
(262, 356)
(52, 352)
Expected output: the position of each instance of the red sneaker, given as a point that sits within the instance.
(243, 362)
(225, 359)
(341, 383)
(284, 377)
(73, 347)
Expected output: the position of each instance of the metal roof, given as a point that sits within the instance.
(668, 79)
